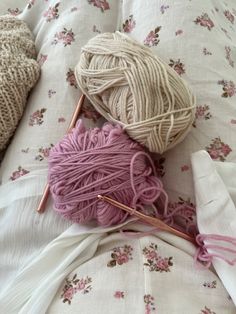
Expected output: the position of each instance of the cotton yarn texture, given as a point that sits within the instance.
(131, 86)
(103, 161)
(18, 73)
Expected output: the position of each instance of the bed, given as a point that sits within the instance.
(198, 41)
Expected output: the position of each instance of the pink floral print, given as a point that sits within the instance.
(206, 52)
(149, 303)
(229, 88)
(120, 255)
(202, 113)
(155, 262)
(14, 12)
(74, 285)
(52, 13)
(206, 310)
(205, 21)
(43, 152)
(129, 24)
(119, 294)
(101, 4)
(51, 92)
(89, 112)
(182, 201)
(30, 4)
(185, 211)
(178, 66)
(218, 150)
(179, 32)
(228, 56)
(61, 120)
(163, 8)
(152, 38)
(229, 16)
(160, 166)
(18, 173)
(185, 168)
(37, 117)
(66, 37)
(211, 285)
(70, 78)
(96, 30)
(41, 59)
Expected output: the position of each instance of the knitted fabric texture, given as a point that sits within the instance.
(19, 72)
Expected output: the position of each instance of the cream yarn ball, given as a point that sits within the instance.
(131, 86)
(19, 72)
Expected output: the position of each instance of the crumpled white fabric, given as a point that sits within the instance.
(34, 287)
(215, 191)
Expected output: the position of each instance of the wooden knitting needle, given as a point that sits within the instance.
(75, 116)
(150, 220)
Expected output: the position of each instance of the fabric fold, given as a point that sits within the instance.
(35, 285)
(216, 212)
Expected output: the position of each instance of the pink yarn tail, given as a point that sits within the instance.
(207, 242)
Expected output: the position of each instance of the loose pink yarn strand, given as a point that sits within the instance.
(203, 255)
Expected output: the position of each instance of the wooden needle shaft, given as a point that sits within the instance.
(150, 220)
(75, 116)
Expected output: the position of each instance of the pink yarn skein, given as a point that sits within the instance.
(100, 161)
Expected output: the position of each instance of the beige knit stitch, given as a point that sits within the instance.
(18, 73)
(129, 85)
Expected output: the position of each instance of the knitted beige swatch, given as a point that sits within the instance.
(19, 72)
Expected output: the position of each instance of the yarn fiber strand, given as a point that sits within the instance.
(103, 161)
(131, 86)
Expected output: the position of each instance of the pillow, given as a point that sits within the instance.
(18, 73)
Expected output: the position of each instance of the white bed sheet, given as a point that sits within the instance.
(24, 233)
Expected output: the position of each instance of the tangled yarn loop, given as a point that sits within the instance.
(103, 161)
(215, 246)
(131, 86)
